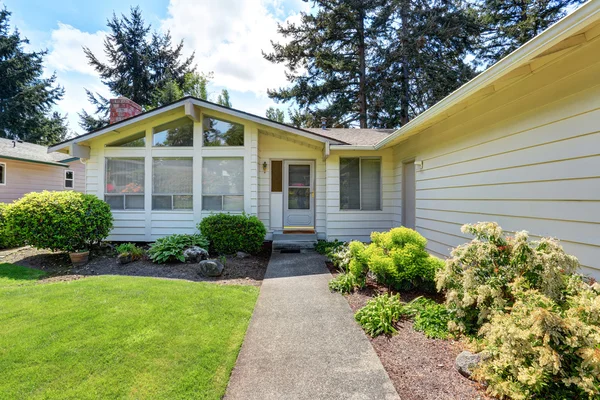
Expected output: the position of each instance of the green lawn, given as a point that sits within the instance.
(115, 337)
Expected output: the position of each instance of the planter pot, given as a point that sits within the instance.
(79, 259)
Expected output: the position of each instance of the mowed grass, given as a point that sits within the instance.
(115, 337)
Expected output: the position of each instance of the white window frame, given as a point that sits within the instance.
(72, 180)
(360, 185)
(225, 194)
(3, 183)
(172, 194)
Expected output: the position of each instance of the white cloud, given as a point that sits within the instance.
(229, 37)
(66, 49)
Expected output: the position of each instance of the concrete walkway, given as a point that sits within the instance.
(303, 342)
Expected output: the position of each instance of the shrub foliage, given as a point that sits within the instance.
(7, 237)
(478, 275)
(171, 248)
(380, 315)
(229, 233)
(130, 249)
(59, 221)
(344, 283)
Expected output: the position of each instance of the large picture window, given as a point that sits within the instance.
(124, 183)
(217, 132)
(360, 183)
(179, 133)
(223, 184)
(172, 182)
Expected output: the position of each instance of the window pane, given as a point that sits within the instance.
(370, 184)
(182, 202)
(176, 133)
(223, 176)
(2, 178)
(299, 175)
(349, 183)
(222, 133)
(161, 202)
(134, 202)
(115, 201)
(68, 184)
(124, 175)
(137, 140)
(212, 203)
(172, 175)
(233, 203)
(299, 198)
(69, 174)
(276, 176)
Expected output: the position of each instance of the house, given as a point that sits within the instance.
(28, 167)
(519, 144)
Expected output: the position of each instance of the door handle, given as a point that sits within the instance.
(312, 194)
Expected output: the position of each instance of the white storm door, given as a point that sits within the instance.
(299, 195)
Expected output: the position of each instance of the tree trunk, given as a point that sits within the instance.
(362, 74)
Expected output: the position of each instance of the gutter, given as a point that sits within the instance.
(34, 161)
(584, 15)
(351, 147)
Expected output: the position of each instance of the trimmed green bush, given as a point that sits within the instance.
(7, 238)
(171, 248)
(230, 233)
(59, 221)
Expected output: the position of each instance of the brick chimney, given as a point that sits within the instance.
(123, 108)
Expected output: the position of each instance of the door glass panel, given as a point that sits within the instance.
(299, 199)
(299, 175)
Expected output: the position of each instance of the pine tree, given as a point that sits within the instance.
(224, 99)
(26, 99)
(139, 65)
(275, 114)
(508, 24)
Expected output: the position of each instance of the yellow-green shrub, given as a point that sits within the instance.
(7, 237)
(478, 275)
(63, 221)
(399, 260)
(543, 349)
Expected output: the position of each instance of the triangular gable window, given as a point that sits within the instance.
(137, 140)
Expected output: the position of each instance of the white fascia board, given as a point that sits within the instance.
(351, 147)
(585, 15)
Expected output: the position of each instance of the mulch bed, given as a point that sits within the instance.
(238, 271)
(420, 368)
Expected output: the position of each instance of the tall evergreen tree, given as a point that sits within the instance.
(224, 99)
(508, 24)
(275, 114)
(327, 57)
(420, 57)
(139, 65)
(26, 98)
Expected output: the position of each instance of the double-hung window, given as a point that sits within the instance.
(172, 182)
(223, 184)
(69, 179)
(360, 183)
(2, 174)
(124, 183)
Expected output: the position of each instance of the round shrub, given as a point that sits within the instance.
(229, 233)
(60, 221)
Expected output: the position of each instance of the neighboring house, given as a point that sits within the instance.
(519, 144)
(27, 167)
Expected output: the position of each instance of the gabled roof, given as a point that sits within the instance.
(354, 136)
(573, 30)
(23, 151)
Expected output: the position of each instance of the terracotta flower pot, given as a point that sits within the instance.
(79, 259)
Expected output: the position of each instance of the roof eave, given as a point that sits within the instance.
(584, 15)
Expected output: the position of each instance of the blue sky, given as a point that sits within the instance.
(226, 35)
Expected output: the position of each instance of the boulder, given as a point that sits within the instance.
(124, 258)
(241, 254)
(210, 268)
(465, 362)
(195, 254)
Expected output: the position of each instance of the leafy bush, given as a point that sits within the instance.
(7, 238)
(344, 283)
(544, 349)
(229, 233)
(171, 248)
(326, 248)
(429, 317)
(478, 275)
(380, 314)
(59, 221)
(130, 249)
(397, 258)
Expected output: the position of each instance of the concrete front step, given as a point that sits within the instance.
(293, 245)
(297, 237)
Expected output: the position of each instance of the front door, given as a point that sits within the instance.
(299, 195)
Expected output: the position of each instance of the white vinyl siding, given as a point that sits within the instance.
(526, 157)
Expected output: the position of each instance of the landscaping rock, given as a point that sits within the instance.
(465, 362)
(241, 254)
(211, 268)
(195, 254)
(124, 258)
